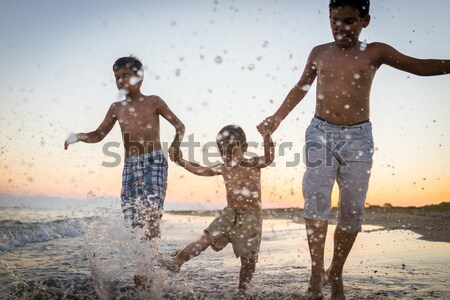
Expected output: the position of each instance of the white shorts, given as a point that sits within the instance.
(342, 154)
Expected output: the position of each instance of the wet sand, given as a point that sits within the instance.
(432, 223)
(384, 263)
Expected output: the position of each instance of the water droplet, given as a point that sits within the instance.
(218, 60)
(306, 87)
(135, 80)
(363, 45)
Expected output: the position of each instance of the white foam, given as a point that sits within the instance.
(116, 254)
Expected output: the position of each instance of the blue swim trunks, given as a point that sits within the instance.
(144, 184)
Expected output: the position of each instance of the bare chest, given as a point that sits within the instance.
(137, 116)
(352, 67)
(239, 177)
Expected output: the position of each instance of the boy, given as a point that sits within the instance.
(341, 130)
(240, 221)
(144, 179)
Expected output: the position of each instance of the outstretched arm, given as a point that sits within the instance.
(269, 154)
(195, 168)
(293, 98)
(416, 66)
(98, 134)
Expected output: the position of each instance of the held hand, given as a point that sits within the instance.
(270, 124)
(72, 139)
(175, 154)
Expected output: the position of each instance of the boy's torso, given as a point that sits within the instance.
(243, 187)
(344, 80)
(139, 123)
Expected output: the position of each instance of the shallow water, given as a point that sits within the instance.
(383, 265)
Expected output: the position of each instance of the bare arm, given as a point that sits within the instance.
(420, 67)
(197, 169)
(293, 98)
(98, 134)
(269, 154)
(269, 149)
(167, 114)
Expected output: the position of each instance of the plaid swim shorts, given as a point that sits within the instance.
(144, 184)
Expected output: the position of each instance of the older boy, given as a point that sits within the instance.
(240, 222)
(144, 179)
(341, 130)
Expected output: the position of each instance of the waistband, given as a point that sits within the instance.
(145, 157)
(242, 212)
(360, 125)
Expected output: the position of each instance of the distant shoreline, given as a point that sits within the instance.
(431, 222)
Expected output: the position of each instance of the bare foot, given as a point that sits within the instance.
(315, 288)
(242, 295)
(325, 279)
(337, 288)
(170, 264)
(140, 280)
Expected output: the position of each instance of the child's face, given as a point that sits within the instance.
(232, 153)
(346, 25)
(127, 80)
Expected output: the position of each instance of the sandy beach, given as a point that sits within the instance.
(401, 253)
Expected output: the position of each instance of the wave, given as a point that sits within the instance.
(14, 234)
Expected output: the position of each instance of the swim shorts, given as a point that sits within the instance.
(240, 228)
(342, 154)
(144, 184)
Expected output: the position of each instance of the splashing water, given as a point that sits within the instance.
(122, 94)
(116, 254)
(306, 87)
(363, 45)
(73, 138)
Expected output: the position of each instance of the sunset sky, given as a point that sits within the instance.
(214, 63)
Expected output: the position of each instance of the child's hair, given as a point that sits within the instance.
(231, 133)
(128, 62)
(361, 5)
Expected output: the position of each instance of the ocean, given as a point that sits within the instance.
(76, 254)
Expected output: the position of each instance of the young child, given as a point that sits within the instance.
(240, 221)
(341, 130)
(144, 179)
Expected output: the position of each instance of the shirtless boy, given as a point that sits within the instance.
(240, 222)
(345, 69)
(144, 179)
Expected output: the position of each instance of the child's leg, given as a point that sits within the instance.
(149, 219)
(316, 233)
(343, 243)
(353, 181)
(190, 251)
(246, 273)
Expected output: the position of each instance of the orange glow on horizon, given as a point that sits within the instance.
(90, 179)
